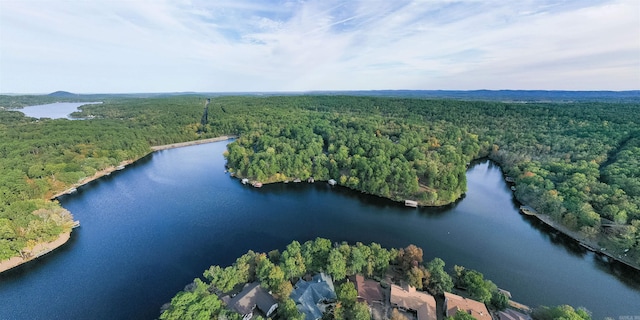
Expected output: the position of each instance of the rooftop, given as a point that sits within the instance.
(368, 290)
(421, 302)
(453, 303)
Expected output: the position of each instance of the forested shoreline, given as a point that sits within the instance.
(576, 162)
(278, 272)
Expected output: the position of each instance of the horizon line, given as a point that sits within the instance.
(312, 91)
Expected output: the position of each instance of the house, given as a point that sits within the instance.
(252, 296)
(311, 296)
(368, 290)
(422, 303)
(454, 303)
(510, 314)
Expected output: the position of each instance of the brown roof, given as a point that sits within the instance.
(421, 302)
(476, 309)
(252, 295)
(369, 290)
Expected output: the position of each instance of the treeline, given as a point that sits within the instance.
(576, 162)
(39, 158)
(277, 271)
(366, 151)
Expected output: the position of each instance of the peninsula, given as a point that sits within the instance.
(574, 162)
(321, 279)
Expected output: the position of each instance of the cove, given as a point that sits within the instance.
(58, 110)
(148, 230)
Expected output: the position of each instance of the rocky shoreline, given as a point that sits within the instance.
(38, 250)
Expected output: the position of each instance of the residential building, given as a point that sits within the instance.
(311, 297)
(422, 303)
(454, 303)
(369, 290)
(252, 296)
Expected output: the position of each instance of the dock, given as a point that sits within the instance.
(528, 210)
(411, 203)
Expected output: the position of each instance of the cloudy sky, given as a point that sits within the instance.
(108, 46)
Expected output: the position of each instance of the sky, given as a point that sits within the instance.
(125, 46)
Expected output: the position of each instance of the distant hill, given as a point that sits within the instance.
(501, 95)
(62, 94)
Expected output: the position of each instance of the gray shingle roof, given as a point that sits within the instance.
(308, 294)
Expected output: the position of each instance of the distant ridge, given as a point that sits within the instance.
(62, 94)
(628, 96)
(500, 95)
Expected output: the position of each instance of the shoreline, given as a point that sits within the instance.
(191, 143)
(38, 251)
(589, 244)
(108, 170)
(43, 248)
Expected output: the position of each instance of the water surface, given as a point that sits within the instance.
(149, 230)
(58, 110)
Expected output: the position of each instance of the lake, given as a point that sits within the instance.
(150, 229)
(56, 110)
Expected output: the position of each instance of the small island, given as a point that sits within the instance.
(323, 280)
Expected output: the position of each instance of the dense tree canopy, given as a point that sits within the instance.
(574, 161)
(201, 297)
(40, 158)
(201, 300)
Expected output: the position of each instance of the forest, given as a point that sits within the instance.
(574, 161)
(277, 271)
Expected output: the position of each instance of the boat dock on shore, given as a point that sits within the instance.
(528, 210)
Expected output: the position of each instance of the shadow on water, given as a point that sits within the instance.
(287, 189)
(40, 264)
(205, 217)
(556, 237)
(625, 274)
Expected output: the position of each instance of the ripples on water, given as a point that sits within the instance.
(149, 230)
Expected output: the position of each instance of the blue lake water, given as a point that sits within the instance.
(56, 110)
(150, 229)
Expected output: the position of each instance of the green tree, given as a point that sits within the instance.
(347, 294)
(439, 280)
(288, 310)
(337, 265)
(560, 312)
(461, 315)
(292, 261)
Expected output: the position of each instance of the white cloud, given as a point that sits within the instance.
(197, 45)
